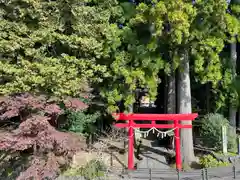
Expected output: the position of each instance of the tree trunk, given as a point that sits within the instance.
(166, 85)
(238, 73)
(171, 98)
(232, 116)
(171, 95)
(233, 109)
(185, 107)
(208, 94)
(238, 118)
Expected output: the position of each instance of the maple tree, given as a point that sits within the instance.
(37, 136)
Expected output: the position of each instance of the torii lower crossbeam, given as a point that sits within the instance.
(153, 118)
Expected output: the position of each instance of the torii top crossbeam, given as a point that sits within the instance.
(154, 117)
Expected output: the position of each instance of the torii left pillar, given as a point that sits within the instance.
(153, 117)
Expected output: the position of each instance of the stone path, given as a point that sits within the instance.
(153, 156)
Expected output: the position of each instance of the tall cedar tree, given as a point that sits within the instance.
(195, 33)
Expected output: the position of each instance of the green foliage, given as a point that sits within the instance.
(63, 47)
(208, 161)
(186, 26)
(93, 169)
(169, 29)
(211, 132)
(139, 64)
(60, 48)
(79, 122)
(207, 62)
(55, 47)
(228, 95)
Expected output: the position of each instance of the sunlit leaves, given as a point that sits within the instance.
(56, 47)
(56, 76)
(201, 28)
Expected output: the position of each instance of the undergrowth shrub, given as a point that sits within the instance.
(211, 132)
(76, 119)
(209, 161)
(79, 122)
(93, 169)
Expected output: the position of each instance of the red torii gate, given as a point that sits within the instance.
(153, 117)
